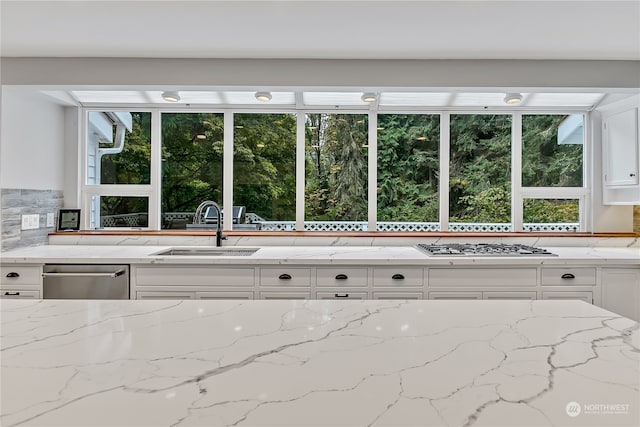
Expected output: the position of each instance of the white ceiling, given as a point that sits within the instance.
(600, 30)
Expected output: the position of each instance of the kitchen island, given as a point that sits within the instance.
(321, 363)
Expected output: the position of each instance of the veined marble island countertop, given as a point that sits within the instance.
(320, 363)
(316, 255)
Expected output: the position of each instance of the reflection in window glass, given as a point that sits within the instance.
(119, 211)
(192, 145)
(552, 150)
(480, 170)
(119, 148)
(408, 165)
(264, 170)
(336, 169)
(551, 214)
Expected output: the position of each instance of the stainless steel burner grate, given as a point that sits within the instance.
(482, 249)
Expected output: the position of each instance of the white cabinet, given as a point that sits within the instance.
(566, 276)
(621, 153)
(457, 295)
(398, 277)
(289, 277)
(509, 295)
(285, 295)
(620, 144)
(482, 277)
(585, 296)
(341, 277)
(165, 295)
(20, 281)
(224, 295)
(341, 295)
(621, 291)
(398, 295)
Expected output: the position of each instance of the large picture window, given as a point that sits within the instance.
(337, 171)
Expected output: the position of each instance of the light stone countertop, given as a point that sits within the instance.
(315, 255)
(317, 363)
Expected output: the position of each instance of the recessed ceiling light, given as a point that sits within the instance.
(513, 98)
(171, 96)
(263, 96)
(369, 97)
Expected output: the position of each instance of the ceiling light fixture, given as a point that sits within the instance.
(513, 98)
(171, 96)
(369, 97)
(263, 96)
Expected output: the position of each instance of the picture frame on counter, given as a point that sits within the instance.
(69, 220)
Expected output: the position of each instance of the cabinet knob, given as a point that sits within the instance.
(567, 276)
(284, 276)
(341, 295)
(341, 277)
(398, 277)
(13, 274)
(632, 174)
(13, 294)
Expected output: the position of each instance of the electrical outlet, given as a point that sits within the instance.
(50, 219)
(30, 222)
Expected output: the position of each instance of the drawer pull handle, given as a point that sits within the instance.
(284, 276)
(13, 274)
(341, 277)
(341, 295)
(568, 276)
(13, 294)
(397, 277)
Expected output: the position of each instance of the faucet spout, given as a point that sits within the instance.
(197, 219)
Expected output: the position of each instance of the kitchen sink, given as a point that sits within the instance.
(207, 252)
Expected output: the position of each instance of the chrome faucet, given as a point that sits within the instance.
(197, 219)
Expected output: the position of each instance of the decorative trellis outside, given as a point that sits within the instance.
(178, 220)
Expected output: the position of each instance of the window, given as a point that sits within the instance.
(408, 166)
(480, 172)
(264, 170)
(336, 172)
(506, 172)
(192, 147)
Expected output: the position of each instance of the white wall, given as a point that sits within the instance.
(32, 141)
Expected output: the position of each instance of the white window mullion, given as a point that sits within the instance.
(155, 204)
(300, 169)
(588, 159)
(445, 144)
(227, 167)
(373, 172)
(516, 172)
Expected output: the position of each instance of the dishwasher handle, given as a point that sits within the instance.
(116, 273)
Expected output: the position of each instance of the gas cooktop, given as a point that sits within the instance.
(482, 249)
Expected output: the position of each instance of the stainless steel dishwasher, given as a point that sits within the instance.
(85, 281)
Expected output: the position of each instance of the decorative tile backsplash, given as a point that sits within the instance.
(18, 202)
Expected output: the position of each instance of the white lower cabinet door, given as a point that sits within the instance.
(224, 295)
(397, 295)
(284, 295)
(164, 295)
(19, 294)
(341, 295)
(570, 295)
(509, 295)
(455, 295)
(621, 291)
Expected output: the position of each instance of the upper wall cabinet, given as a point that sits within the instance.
(621, 154)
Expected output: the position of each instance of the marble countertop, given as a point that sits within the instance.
(316, 255)
(320, 363)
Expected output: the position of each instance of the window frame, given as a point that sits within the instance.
(518, 193)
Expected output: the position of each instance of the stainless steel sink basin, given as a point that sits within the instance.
(208, 252)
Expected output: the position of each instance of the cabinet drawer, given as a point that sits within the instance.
(19, 294)
(482, 277)
(284, 295)
(341, 276)
(509, 295)
(341, 295)
(194, 276)
(165, 295)
(582, 296)
(285, 277)
(20, 275)
(397, 295)
(455, 295)
(224, 295)
(397, 277)
(568, 276)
